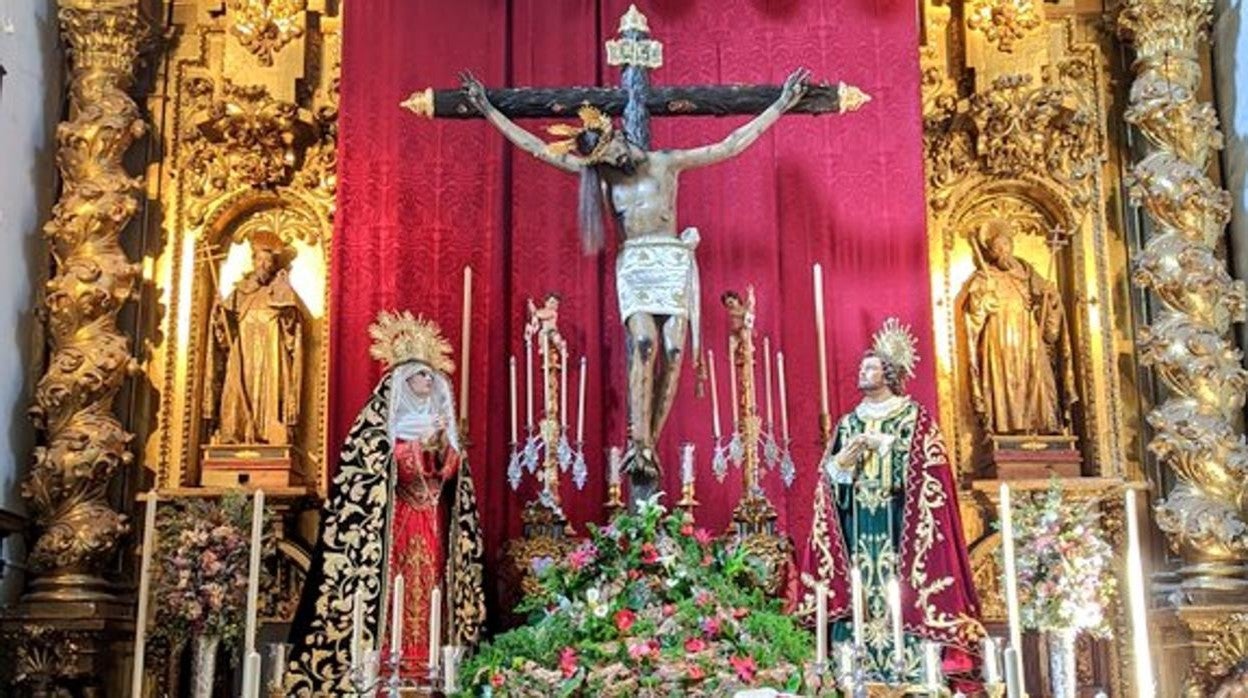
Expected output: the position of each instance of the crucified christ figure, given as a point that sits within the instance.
(656, 273)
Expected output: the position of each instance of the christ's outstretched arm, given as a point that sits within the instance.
(521, 138)
(740, 139)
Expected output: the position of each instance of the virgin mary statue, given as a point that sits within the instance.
(402, 502)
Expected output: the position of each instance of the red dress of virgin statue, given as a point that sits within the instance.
(419, 531)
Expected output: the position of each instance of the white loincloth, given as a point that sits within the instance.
(658, 275)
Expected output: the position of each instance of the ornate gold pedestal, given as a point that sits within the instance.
(754, 528)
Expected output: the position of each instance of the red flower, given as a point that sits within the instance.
(496, 680)
(694, 645)
(669, 610)
(634, 575)
(706, 560)
(567, 662)
(703, 536)
(687, 529)
(624, 619)
(649, 554)
(739, 613)
(745, 668)
(695, 673)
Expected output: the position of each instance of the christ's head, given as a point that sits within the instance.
(616, 152)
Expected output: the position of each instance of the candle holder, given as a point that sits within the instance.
(995, 690)
(687, 500)
(750, 446)
(548, 444)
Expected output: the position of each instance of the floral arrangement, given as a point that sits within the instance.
(649, 605)
(200, 581)
(1065, 571)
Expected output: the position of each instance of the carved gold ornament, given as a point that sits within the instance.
(399, 338)
(1003, 21)
(1204, 515)
(85, 444)
(264, 27)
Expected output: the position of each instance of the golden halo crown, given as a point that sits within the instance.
(895, 344)
(591, 120)
(398, 338)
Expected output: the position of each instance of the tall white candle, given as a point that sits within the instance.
(614, 464)
(511, 375)
(771, 422)
(1142, 654)
(855, 583)
(528, 383)
(992, 662)
(253, 570)
(821, 624)
(465, 350)
(357, 628)
(686, 464)
(894, 613)
(251, 675)
(784, 397)
(846, 660)
(1011, 580)
(821, 340)
(563, 390)
(580, 406)
(145, 584)
(931, 667)
(732, 384)
(546, 396)
(396, 617)
(1013, 679)
(715, 428)
(435, 626)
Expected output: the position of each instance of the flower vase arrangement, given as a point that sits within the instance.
(647, 606)
(1066, 577)
(200, 580)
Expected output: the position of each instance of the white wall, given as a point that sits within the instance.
(1230, 57)
(30, 107)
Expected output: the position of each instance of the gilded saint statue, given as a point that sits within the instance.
(257, 349)
(1022, 379)
(656, 272)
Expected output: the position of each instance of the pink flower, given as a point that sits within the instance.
(703, 536)
(695, 673)
(669, 610)
(649, 554)
(496, 680)
(710, 627)
(567, 662)
(639, 650)
(745, 668)
(624, 619)
(687, 529)
(703, 598)
(694, 645)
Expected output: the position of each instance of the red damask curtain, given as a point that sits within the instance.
(419, 200)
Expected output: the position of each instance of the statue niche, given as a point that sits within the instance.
(1017, 354)
(254, 364)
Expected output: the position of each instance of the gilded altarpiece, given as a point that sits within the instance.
(251, 117)
(1021, 132)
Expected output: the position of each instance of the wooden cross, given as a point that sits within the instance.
(635, 99)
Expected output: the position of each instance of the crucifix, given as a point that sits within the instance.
(656, 272)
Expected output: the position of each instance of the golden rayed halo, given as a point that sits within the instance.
(894, 343)
(398, 337)
(591, 120)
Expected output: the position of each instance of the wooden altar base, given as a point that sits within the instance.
(1032, 457)
(257, 465)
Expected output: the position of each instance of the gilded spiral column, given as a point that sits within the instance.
(84, 444)
(1188, 344)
